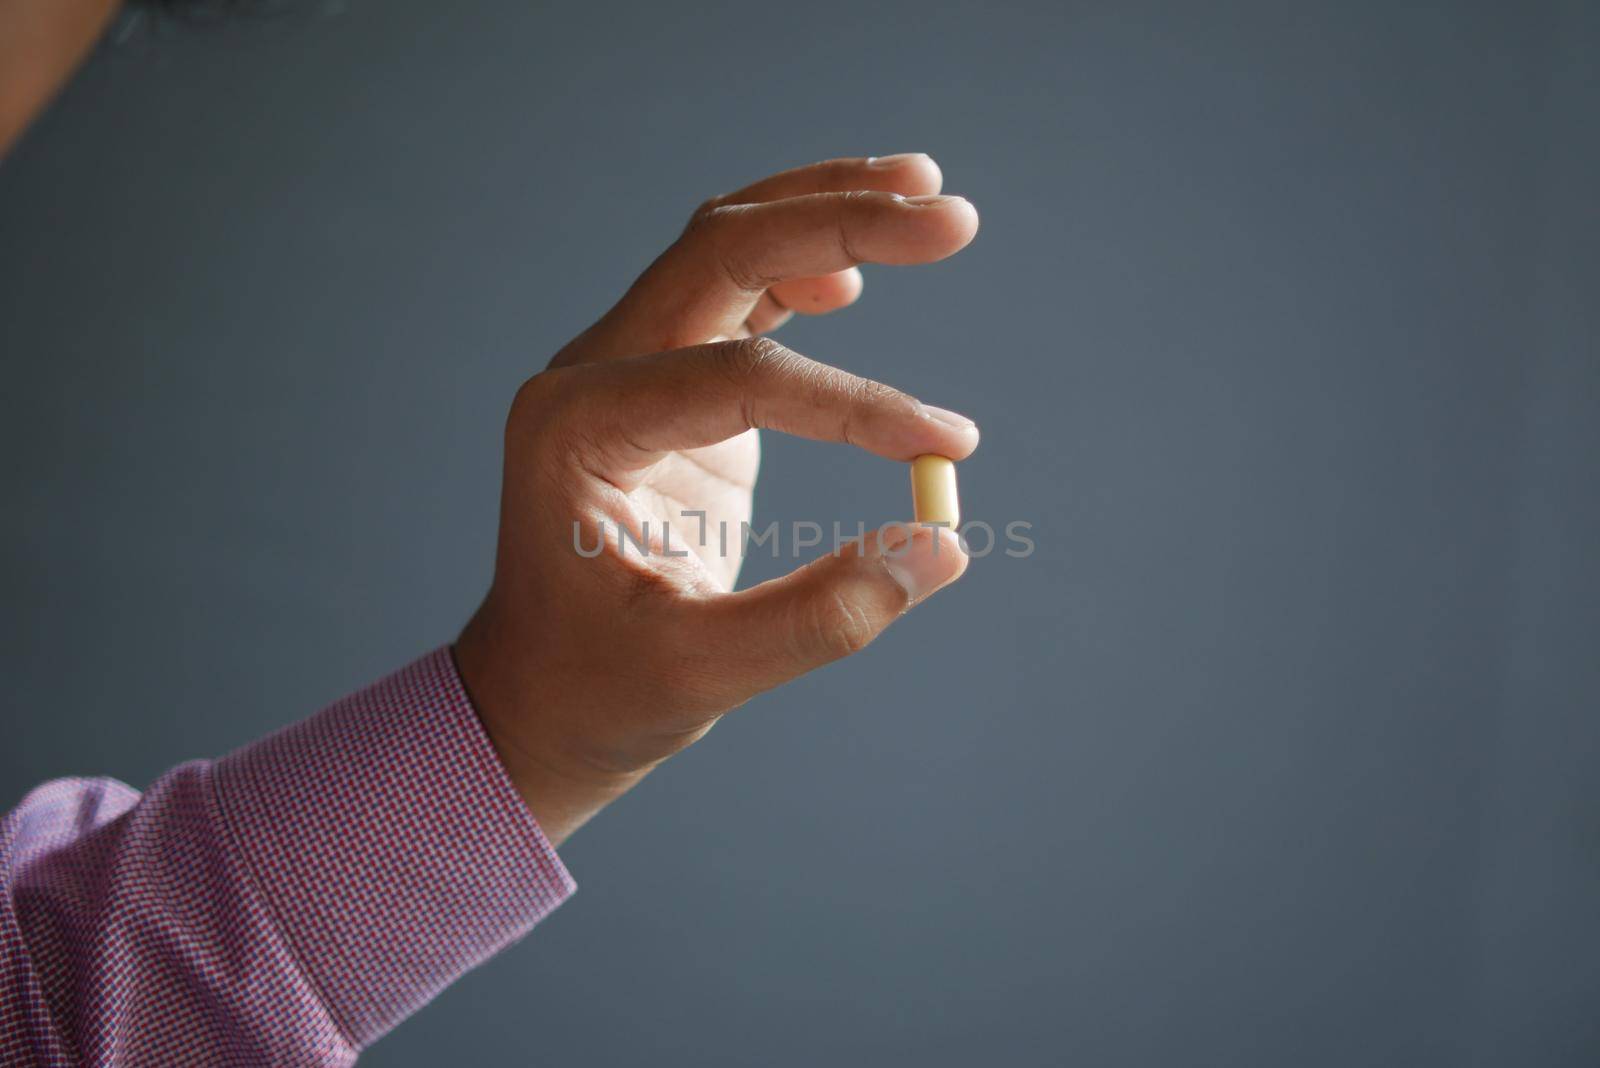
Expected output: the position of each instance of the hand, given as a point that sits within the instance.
(589, 671)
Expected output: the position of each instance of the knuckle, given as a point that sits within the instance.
(704, 211)
(707, 224)
(860, 402)
(534, 400)
(885, 399)
(717, 233)
(833, 628)
(537, 409)
(702, 232)
(748, 359)
(847, 218)
(748, 365)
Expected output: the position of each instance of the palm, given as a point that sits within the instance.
(718, 480)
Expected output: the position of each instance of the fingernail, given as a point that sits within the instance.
(895, 160)
(947, 417)
(932, 559)
(932, 199)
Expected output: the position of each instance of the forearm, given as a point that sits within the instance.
(285, 905)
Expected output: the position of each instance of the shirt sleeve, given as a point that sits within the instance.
(285, 905)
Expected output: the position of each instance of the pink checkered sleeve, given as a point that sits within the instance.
(285, 905)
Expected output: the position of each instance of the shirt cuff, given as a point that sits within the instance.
(390, 843)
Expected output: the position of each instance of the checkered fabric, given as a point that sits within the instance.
(285, 905)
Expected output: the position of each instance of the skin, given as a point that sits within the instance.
(41, 44)
(588, 672)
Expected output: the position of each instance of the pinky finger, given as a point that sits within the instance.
(767, 315)
(818, 296)
(804, 296)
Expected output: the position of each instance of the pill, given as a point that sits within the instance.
(933, 490)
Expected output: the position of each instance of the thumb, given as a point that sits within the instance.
(832, 607)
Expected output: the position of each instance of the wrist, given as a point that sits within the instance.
(562, 784)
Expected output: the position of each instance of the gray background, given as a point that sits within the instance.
(1282, 331)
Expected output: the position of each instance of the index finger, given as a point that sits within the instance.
(636, 410)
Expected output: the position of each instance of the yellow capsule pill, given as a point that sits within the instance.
(933, 490)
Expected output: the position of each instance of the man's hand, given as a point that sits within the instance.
(589, 671)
